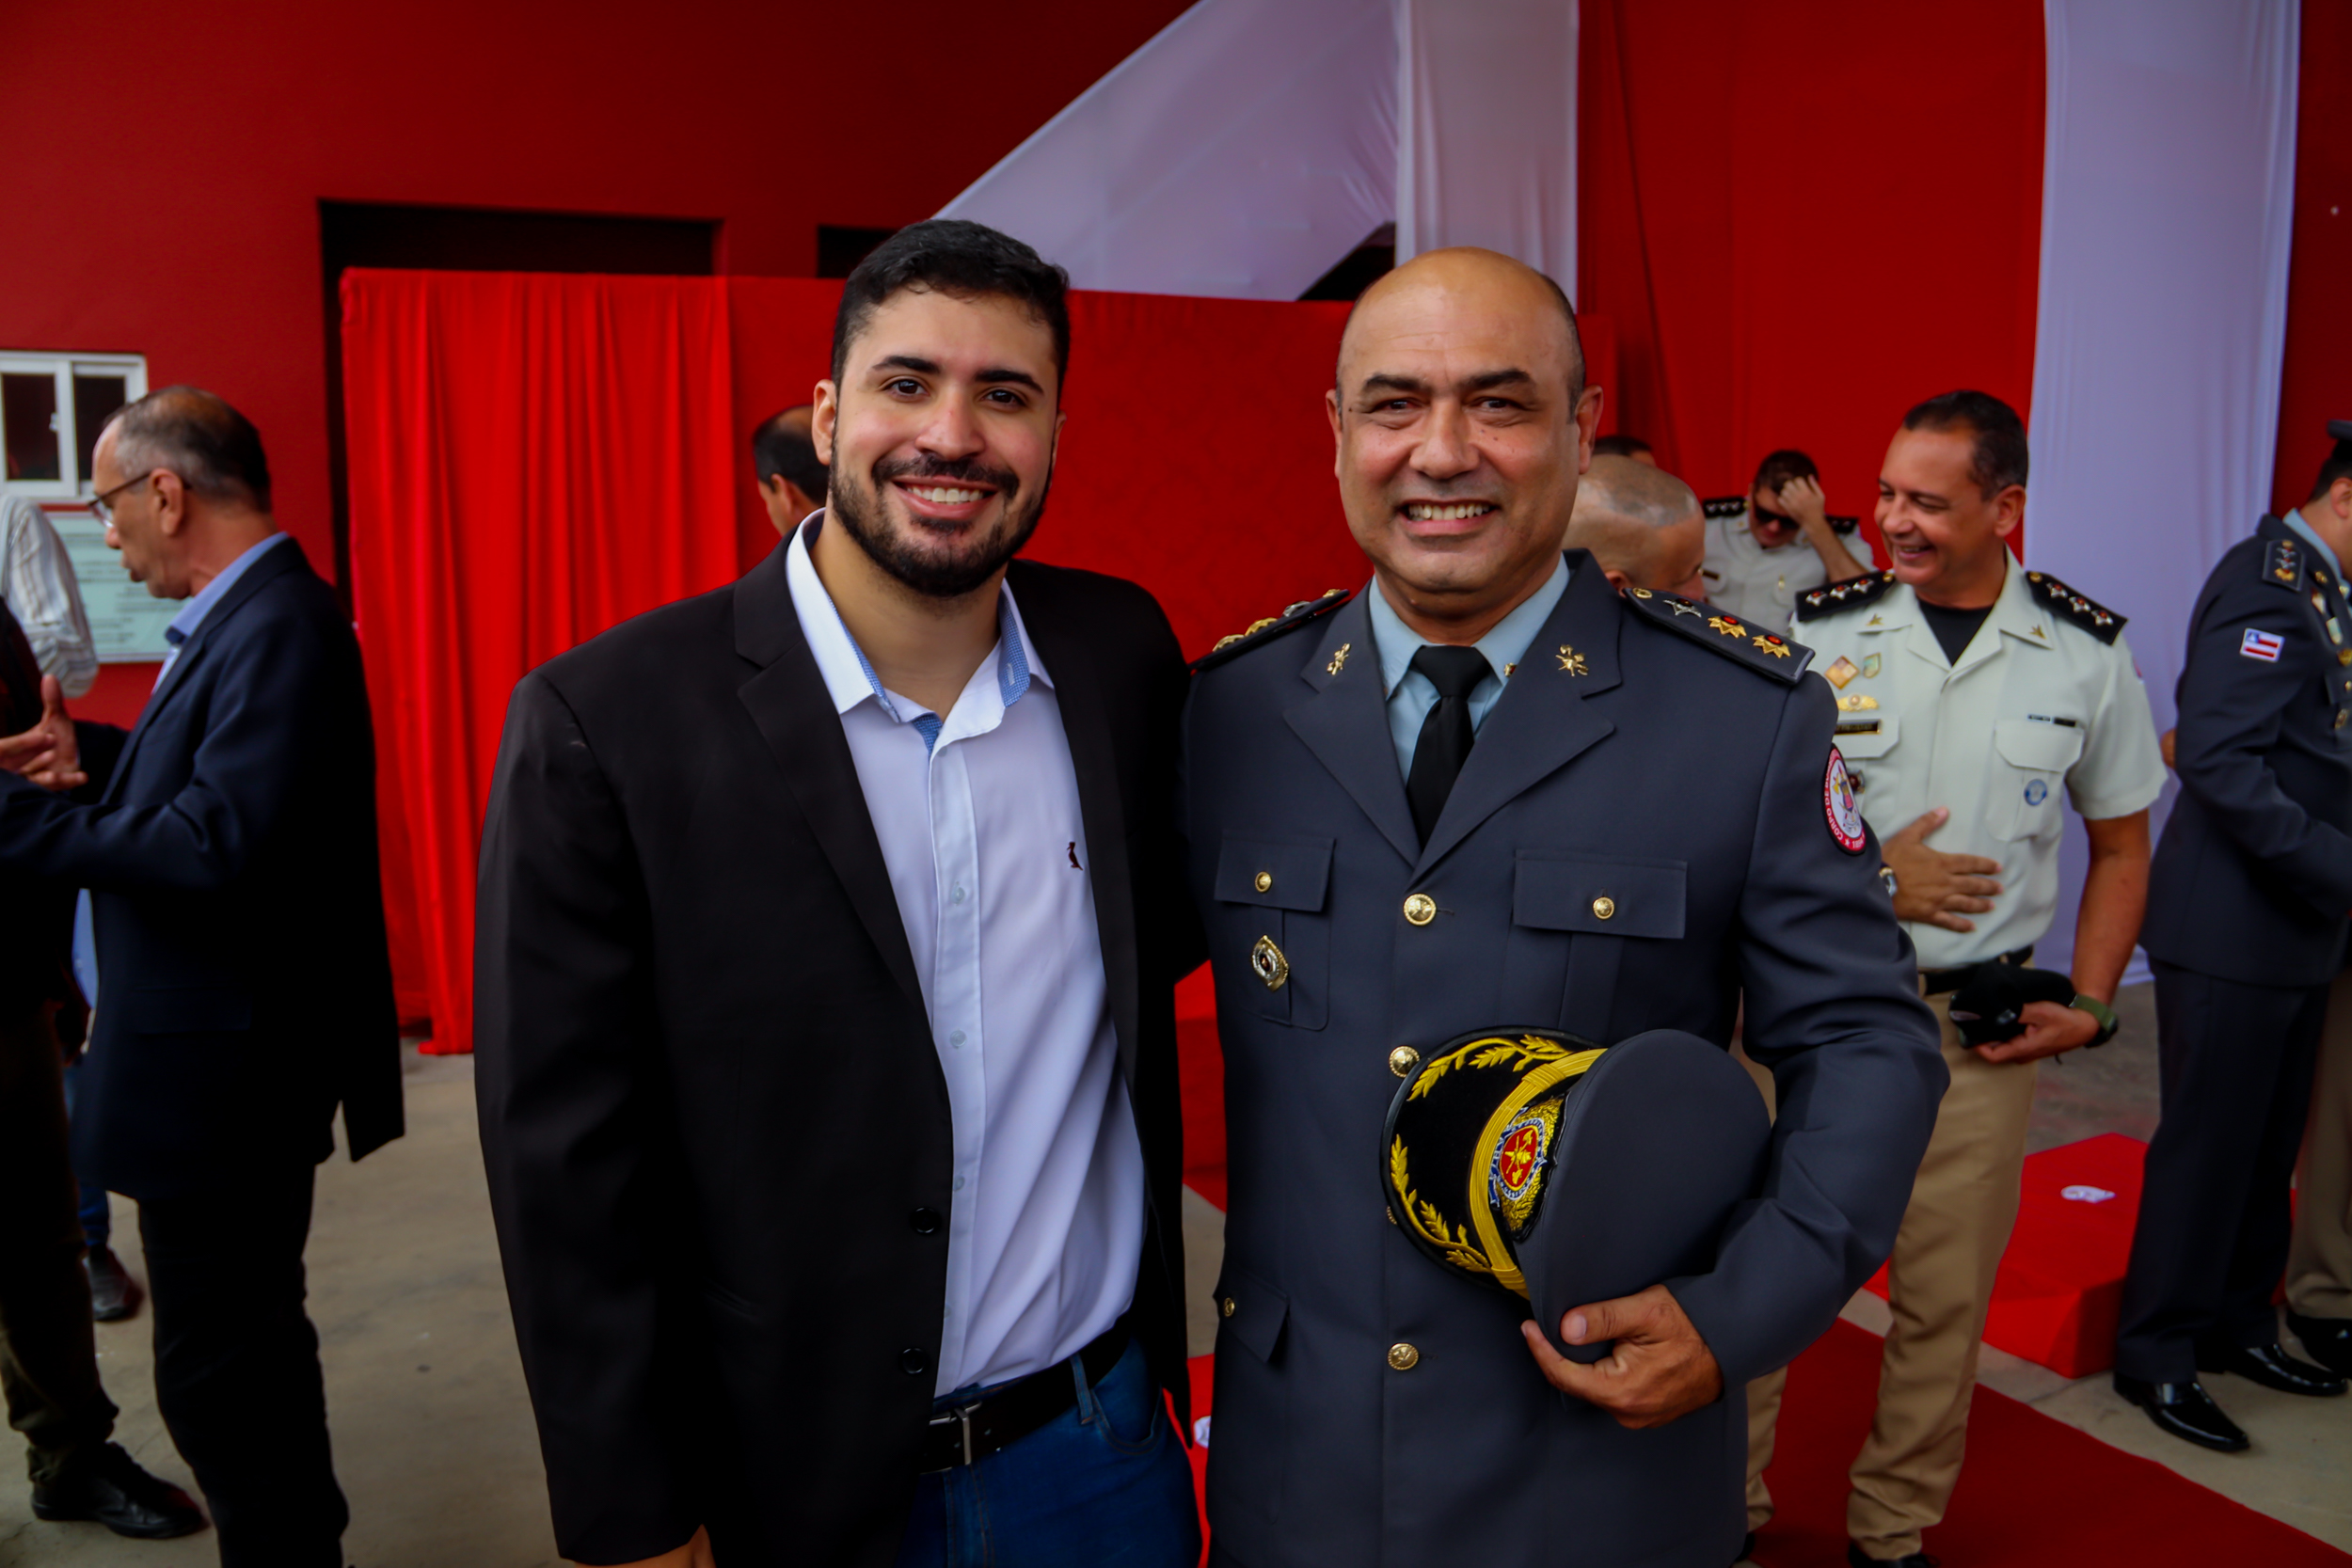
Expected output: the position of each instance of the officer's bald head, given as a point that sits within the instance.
(1446, 282)
(1644, 526)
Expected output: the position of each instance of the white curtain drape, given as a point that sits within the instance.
(2168, 169)
(1487, 129)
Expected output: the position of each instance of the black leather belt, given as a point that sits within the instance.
(969, 1432)
(1935, 982)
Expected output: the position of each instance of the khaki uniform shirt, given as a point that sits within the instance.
(2038, 701)
(1753, 584)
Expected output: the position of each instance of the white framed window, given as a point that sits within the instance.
(51, 407)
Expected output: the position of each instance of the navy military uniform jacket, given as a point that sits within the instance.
(1638, 837)
(2253, 878)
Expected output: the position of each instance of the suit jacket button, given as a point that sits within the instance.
(1402, 1356)
(1228, 1306)
(1420, 909)
(1403, 1060)
(1265, 882)
(1604, 907)
(913, 1362)
(924, 1221)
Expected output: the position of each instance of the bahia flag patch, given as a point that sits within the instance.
(2264, 645)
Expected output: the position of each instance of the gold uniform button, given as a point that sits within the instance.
(1265, 882)
(1402, 1356)
(1420, 909)
(1228, 1306)
(1604, 907)
(1403, 1060)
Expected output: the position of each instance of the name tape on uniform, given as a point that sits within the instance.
(2264, 645)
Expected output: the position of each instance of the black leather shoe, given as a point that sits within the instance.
(2186, 1411)
(113, 1491)
(2326, 1340)
(2274, 1369)
(114, 1295)
(1856, 1558)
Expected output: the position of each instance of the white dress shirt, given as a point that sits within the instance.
(36, 581)
(978, 818)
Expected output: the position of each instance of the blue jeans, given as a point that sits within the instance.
(1105, 1485)
(97, 1220)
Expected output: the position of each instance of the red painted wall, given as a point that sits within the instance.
(2317, 385)
(165, 160)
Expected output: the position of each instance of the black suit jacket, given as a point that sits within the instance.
(710, 1096)
(35, 915)
(244, 988)
(2253, 878)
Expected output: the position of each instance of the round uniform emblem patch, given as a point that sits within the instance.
(1838, 805)
(2036, 792)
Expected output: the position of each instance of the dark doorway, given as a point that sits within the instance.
(1358, 269)
(839, 249)
(473, 239)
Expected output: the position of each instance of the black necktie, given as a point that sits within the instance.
(1446, 734)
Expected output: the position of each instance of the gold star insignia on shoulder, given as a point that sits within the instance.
(1339, 659)
(1773, 645)
(1682, 607)
(1727, 625)
(1573, 662)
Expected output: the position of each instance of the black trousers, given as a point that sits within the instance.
(2211, 1243)
(48, 1362)
(237, 1366)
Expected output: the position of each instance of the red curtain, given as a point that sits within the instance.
(531, 459)
(1805, 215)
(2316, 384)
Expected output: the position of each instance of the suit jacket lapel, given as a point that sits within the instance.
(1345, 723)
(276, 563)
(794, 713)
(1102, 805)
(1541, 721)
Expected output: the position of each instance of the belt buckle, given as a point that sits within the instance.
(962, 1416)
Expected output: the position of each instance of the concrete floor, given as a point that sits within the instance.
(433, 1431)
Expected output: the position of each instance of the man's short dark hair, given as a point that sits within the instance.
(197, 435)
(2338, 465)
(781, 445)
(2000, 459)
(958, 258)
(1779, 468)
(1620, 446)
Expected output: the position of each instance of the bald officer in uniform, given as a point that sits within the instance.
(1775, 542)
(1974, 698)
(1642, 526)
(1489, 790)
(2247, 921)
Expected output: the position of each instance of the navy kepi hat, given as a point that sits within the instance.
(1569, 1173)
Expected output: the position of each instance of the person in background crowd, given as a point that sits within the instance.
(791, 475)
(2319, 1257)
(37, 585)
(1489, 787)
(2247, 921)
(1972, 695)
(1642, 526)
(1625, 446)
(1775, 542)
(238, 926)
(887, 1004)
(48, 1363)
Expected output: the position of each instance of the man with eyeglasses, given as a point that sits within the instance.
(1776, 541)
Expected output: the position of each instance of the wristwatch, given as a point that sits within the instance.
(2108, 1022)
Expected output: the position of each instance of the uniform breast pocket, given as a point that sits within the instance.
(1273, 942)
(2030, 776)
(1570, 916)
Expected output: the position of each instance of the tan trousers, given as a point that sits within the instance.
(1764, 1393)
(2319, 1264)
(1954, 1231)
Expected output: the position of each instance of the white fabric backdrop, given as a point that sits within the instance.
(1240, 153)
(2168, 166)
(1486, 128)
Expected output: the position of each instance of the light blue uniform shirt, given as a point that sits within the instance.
(175, 638)
(1411, 694)
(2295, 520)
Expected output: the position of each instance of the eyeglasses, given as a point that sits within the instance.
(101, 504)
(1774, 519)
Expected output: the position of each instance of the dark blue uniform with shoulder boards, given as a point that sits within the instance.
(2246, 927)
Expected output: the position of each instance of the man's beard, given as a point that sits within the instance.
(858, 509)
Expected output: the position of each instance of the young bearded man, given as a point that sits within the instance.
(826, 1032)
(1973, 697)
(1491, 791)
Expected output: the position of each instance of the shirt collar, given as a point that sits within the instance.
(849, 675)
(2295, 519)
(1503, 646)
(192, 614)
